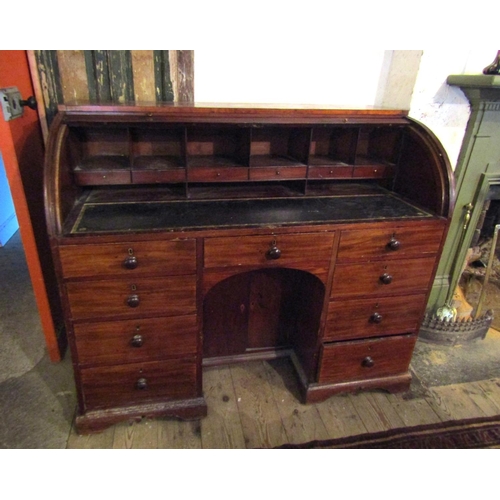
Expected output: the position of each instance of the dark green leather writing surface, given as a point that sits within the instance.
(178, 215)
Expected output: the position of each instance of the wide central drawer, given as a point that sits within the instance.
(262, 250)
(166, 296)
(130, 258)
(358, 360)
(383, 277)
(130, 341)
(122, 385)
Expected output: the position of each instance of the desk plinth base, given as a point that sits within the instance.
(99, 420)
(316, 393)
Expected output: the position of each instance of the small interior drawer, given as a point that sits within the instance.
(279, 249)
(277, 173)
(158, 176)
(129, 258)
(217, 174)
(102, 177)
(373, 171)
(392, 243)
(358, 360)
(130, 341)
(361, 318)
(330, 172)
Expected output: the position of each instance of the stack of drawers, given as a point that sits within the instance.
(134, 325)
(132, 312)
(378, 296)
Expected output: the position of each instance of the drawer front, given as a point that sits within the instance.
(166, 296)
(331, 172)
(348, 361)
(123, 385)
(374, 317)
(372, 171)
(260, 250)
(157, 257)
(390, 243)
(277, 173)
(390, 277)
(216, 174)
(130, 341)
(159, 176)
(102, 177)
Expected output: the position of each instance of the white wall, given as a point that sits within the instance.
(285, 76)
(348, 77)
(444, 108)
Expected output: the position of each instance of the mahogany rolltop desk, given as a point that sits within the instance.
(194, 235)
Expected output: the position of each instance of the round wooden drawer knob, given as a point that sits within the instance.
(133, 300)
(376, 318)
(273, 253)
(141, 384)
(367, 362)
(137, 341)
(386, 279)
(394, 244)
(130, 262)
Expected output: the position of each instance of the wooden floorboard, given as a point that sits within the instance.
(491, 389)
(178, 434)
(451, 402)
(257, 405)
(340, 417)
(373, 417)
(136, 435)
(221, 428)
(101, 440)
(480, 397)
(302, 423)
(260, 418)
(413, 411)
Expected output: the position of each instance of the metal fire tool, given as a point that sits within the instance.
(447, 312)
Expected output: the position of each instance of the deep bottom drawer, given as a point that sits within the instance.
(125, 385)
(346, 361)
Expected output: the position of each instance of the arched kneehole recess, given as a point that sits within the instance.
(262, 310)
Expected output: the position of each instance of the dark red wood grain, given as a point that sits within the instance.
(110, 342)
(343, 362)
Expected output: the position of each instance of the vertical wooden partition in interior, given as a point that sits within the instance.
(190, 235)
